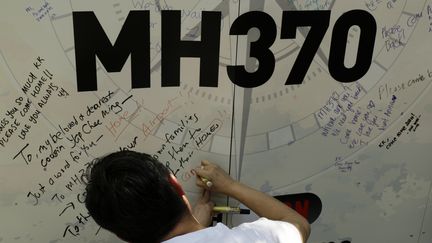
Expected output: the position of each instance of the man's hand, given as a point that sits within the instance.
(221, 181)
(203, 210)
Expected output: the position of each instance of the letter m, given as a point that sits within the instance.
(91, 41)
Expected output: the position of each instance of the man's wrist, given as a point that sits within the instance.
(233, 189)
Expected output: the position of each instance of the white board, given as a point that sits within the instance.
(350, 144)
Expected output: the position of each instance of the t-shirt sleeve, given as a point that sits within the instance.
(271, 231)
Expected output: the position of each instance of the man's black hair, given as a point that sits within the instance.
(130, 194)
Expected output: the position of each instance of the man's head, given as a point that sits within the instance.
(133, 195)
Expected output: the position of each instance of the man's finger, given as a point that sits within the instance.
(206, 195)
(200, 183)
(201, 173)
(205, 162)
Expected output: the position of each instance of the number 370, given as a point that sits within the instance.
(318, 21)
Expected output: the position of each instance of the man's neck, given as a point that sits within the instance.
(187, 224)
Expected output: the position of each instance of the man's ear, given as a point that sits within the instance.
(174, 182)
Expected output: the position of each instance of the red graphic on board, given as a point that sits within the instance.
(307, 204)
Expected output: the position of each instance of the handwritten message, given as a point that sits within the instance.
(194, 138)
(345, 166)
(40, 12)
(38, 89)
(389, 89)
(410, 125)
(354, 126)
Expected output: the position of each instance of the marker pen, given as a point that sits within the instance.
(207, 182)
(225, 209)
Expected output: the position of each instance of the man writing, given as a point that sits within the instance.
(134, 196)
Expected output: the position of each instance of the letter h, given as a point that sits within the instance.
(173, 48)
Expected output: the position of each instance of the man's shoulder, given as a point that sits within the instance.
(260, 230)
(208, 235)
(270, 231)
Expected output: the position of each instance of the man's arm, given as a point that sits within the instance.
(262, 204)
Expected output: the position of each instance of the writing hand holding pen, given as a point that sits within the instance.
(214, 178)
